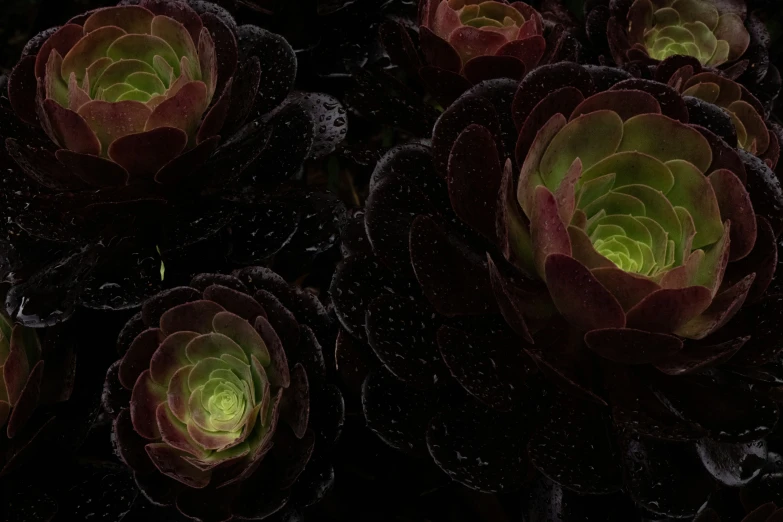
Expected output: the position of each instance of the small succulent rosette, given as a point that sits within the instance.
(711, 97)
(573, 280)
(724, 35)
(133, 134)
(220, 401)
(465, 42)
(652, 30)
(454, 33)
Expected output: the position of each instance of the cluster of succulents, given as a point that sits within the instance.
(537, 280)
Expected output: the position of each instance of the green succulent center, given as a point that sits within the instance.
(640, 200)
(487, 14)
(621, 250)
(226, 402)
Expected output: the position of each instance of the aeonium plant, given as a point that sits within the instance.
(125, 78)
(712, 32)
(594, 271)
(221, 403)
(462, 43)
(707, 91)
(724, 36)
(139, 134)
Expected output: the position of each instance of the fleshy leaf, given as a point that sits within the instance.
(70, 129)
(666, 139)
(89, 49)
(579, 296)
(161, 146)
(630, 346)
(146, 397)
(111, 121)
(170, 357)
(213, 345)
(170, 461)
(195, 316)
(626, 104)
(182, 111)
(548, 233)
(735, 205)
(144, 47)
(590, 137)
(243, 334)
(131, 18)
(666, 310)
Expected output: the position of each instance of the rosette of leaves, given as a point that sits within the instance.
(220, 402)
(724, 34)
(705, 90)
(712, 32)
(142, 137)
(449, 250)
(436, 56)
(470, 37)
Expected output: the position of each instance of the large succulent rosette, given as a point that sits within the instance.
(664, 404)
(142, 137)
(220, 402)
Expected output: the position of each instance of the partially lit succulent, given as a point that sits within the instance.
(526, 207)
(152, 140)
(632, 225)
(463, 43)
(455, 32)
(749, 130)
(221, 397)
(22, 369)
(712, 32)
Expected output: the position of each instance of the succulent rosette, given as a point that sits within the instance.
(717, 34)
(641, 226)
(712, 32)
(705, 91)
(458, 44)
(133, 135)
(514, 322)
(220, 402)
(454, 33)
